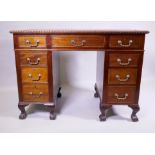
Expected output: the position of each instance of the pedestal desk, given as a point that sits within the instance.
(119, 66)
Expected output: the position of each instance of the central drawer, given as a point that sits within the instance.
(34, 75)
(122, 76)
(78, 41)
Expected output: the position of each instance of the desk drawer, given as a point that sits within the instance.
(36, 88)
(123, 60)
(31, 41)
(35, 93)
(122, 76)
(121, 94)
(78, 41)
(34, 75)
(126, 41)
(36, 97)
(33, 58)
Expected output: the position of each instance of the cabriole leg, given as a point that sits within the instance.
(23, 112)
(103, 110)
(135, 109)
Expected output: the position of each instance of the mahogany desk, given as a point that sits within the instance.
(119, 66)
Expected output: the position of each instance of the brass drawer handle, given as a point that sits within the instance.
(35, 95)
(28, 43)
(33, 63)
(124, 63)
(121, 98)
(33, 79)
(123, 45)
(75, 44)
(123, 80)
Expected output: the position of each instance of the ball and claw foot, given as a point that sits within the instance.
(134, 118)
(52, 116)
(102, 117)
(103, 110)
(22, 116)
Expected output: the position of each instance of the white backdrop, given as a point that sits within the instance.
(77, 68)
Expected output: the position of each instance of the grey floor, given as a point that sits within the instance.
(77, 111)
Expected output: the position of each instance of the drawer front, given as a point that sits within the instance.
(33, 98)
(29, 41)
(126, 41)
(121, 94)
(35, 93)
(122, 76)
(123, 60)
(80, 41)
(34, 75)
(33, 59)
